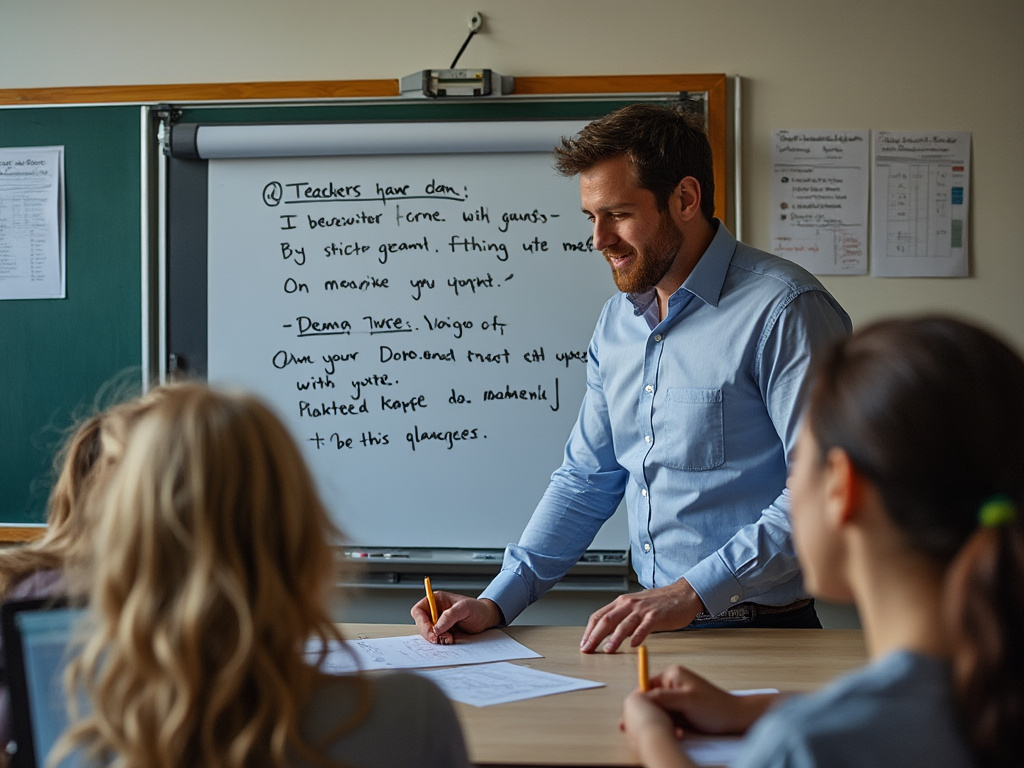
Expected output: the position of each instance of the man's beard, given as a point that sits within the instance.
(652, 260)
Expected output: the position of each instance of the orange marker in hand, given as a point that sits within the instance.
(430, 599)
(641, 657)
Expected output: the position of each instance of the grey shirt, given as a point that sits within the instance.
(896, 712)
(409, 722)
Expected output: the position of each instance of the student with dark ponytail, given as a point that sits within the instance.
(908, 496)
(986, 629)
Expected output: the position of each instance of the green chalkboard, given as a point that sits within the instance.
(56, 355)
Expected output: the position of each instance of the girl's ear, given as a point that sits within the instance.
(844, 488)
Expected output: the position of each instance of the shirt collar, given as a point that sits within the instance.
(708, 275)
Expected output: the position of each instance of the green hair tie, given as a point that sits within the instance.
(999, 510)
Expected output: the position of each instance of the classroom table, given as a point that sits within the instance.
(582, 728)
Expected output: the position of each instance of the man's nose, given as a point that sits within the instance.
(604, 235)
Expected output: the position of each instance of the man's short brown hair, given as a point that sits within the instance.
(663, 144)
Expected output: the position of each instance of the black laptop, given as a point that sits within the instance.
(36, 637)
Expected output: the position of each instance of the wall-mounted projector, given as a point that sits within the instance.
(438, 83)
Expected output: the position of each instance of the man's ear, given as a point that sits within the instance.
(685, 200)
(844, 488)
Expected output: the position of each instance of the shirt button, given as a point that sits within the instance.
(648, 389)
(734, 599)
(658, 337)
(647, 438)
(643, 493)
(647, 547)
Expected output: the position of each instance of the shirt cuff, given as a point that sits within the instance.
(509, 590)
(715, 584)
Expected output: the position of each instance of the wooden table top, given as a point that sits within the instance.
(582, 727)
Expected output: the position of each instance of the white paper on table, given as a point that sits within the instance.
(413, 652)
(712, 750)
(920, 196)
(482, 685)
(819, 200)
(32, 264)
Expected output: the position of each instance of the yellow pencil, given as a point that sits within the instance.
(430, 599)
(641, 656)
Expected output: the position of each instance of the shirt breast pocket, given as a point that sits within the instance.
(692, 436)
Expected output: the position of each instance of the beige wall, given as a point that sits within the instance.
(881, 64)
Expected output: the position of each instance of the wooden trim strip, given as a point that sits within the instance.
(18, 535)
(159, 94)
(335, 89)
(529, 86)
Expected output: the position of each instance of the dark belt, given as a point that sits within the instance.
(753, 610)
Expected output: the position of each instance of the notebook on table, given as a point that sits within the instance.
(37, 635)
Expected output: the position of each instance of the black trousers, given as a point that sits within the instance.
(752, 616)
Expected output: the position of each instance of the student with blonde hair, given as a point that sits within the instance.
(908, 492)
(210, 575)
(36, 569)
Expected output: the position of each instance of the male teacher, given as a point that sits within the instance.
(693, 377)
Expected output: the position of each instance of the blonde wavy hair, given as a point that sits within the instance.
(210, 574)
(89, 453)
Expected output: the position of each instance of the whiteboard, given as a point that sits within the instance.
(419, 321)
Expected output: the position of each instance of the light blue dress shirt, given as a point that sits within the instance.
(693, 418)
